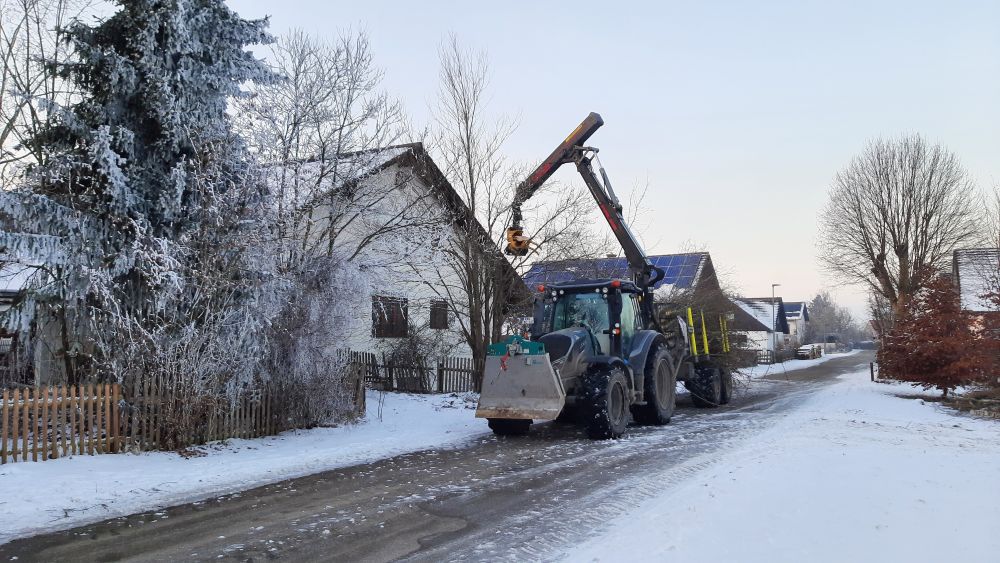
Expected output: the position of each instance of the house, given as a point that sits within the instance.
(761, 324)
(977, 273)
(683, 273)
(388, 213)
(797, 315)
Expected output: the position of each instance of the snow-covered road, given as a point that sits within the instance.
(482, 498)
(83, 489)
(856, 473)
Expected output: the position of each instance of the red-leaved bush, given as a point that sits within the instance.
(935, 345)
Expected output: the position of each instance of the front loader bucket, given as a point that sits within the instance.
(522, 386)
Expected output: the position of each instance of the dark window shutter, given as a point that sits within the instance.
(439, 314)
(389, 317)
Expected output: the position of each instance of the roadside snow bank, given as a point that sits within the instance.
(765, 370)
(855, 474)
(60, 494)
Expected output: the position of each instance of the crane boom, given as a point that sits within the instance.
(573, 150)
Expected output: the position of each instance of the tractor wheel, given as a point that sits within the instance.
(606, 400)
(706, 387)
(726, 389)
(660, 390)
(509, 426)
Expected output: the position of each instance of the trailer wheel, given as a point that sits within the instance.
(705, 387)
(726, 389)
(606, 402)
(660, 388)
(509, 426)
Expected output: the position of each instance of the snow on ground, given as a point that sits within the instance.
(855, 474)
(765, 370)
(60, 494)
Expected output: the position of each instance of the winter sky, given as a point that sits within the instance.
(737, 114)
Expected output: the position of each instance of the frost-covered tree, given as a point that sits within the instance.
(135, 222)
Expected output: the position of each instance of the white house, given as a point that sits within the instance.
(390, 216)
(797, 315)
(977, 273)
(759, 324)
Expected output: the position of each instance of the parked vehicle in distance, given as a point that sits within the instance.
(808, 352)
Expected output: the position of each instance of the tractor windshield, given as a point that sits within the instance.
(588, 310)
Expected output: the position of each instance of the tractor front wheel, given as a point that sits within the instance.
(606, 402)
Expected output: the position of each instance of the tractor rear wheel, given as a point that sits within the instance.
(509, 426)
(705, 387)
(660, 388)
(605, 402)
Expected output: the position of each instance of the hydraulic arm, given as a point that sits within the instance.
(573, 150)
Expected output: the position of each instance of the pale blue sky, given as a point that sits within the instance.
(737, 113)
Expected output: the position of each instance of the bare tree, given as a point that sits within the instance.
(31, 36)
(895, 213)
(321, 133)
(486, 288)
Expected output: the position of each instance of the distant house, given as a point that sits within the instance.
(761, 324)
(797, 315)
(977, 273)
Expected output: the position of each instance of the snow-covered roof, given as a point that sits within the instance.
(681, 271)
(320, 176)
(765, 312)
(977, 272)
(795, 310)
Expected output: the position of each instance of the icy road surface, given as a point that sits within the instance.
(512, 499)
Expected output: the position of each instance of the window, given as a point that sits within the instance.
(588, 310)
(439, 314)
(389, 317)
(628, 317)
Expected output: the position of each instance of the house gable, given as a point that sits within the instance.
(976, 272)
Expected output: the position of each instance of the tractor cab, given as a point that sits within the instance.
(606, 310)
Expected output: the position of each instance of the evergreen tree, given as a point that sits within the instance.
(141, 201)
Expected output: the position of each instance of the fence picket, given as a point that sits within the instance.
(157, 409)
(72, 419)
(81, 434)
(34, 424)
(62, 420)
(116, 421)
(3, 429)
(106, 420)
(15, 420)
(42, 425)
(91, 418)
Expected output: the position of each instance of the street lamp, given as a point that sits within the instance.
(774, 318)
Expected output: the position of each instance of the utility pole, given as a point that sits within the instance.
(774, 318)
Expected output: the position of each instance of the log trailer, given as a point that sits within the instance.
(598, 352)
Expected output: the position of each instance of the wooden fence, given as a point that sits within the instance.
(446, 375)
(164, 412)
(39, 424)
(53, 422)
